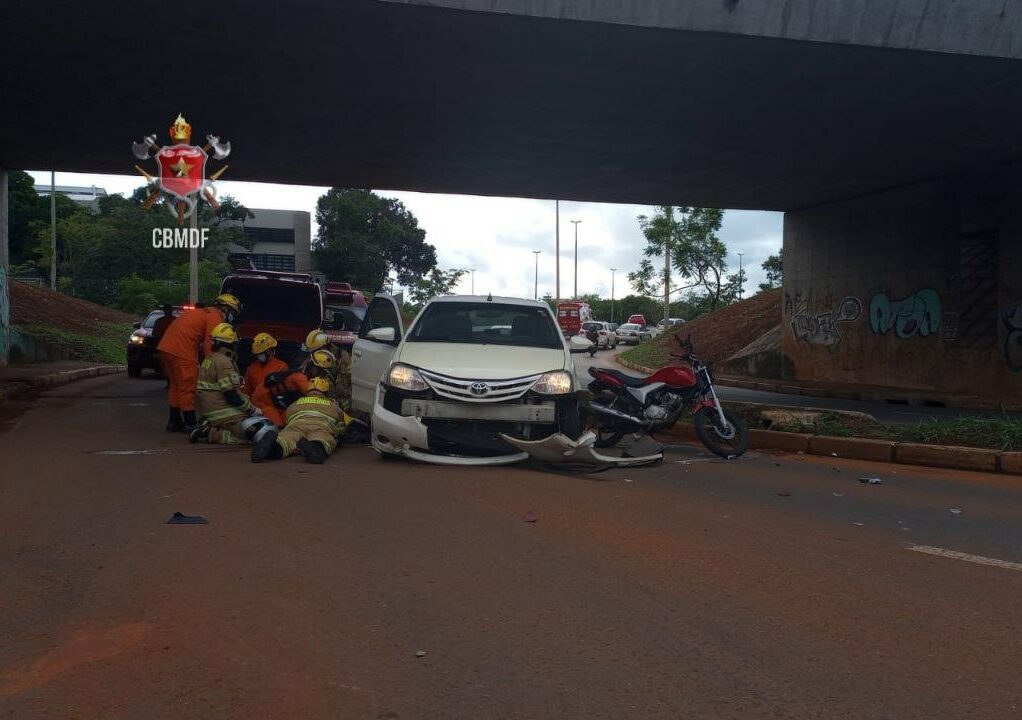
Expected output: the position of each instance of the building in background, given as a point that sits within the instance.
(281, 240)
(87, 196)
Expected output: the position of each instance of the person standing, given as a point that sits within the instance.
(180, 348)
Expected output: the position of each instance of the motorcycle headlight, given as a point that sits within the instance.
(136, 339)
(558, 382)
(405, 377)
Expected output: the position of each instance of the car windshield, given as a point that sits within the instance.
(487, 323)
(343, 318)
(592, 326)
(151, 319)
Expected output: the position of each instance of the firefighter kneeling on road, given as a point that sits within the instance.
(314, 423)
(228, 417)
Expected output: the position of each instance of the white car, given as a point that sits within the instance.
(468, 369)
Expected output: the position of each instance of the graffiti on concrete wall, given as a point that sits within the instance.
(918, 314)
(5, 318)
(820, 328)
(1013, 337)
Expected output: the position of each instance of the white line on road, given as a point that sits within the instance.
(955, 555)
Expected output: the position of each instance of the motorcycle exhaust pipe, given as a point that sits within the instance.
(618, 415)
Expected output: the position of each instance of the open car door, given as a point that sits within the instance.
(373, 351)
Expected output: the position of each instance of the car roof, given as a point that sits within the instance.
(488, 298)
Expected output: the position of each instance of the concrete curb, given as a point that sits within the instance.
(11, 390)
(939, 456)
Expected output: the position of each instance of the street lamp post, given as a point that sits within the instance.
(741, 277)
(575, 223)
(612, 271)
(557, 248)
(472, 272)
(535, 291)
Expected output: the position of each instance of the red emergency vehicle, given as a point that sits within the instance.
(571, 315)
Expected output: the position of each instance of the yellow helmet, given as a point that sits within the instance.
(224, 332)
(263, 342)
(228, 300)
(321, 384)
(316, 340)
(324, 359)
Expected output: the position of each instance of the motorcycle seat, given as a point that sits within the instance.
(628, 380)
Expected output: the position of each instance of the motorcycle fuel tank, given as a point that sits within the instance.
(676, 376)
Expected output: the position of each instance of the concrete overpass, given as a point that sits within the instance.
(800, 106)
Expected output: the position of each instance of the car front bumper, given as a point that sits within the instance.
(408, 437)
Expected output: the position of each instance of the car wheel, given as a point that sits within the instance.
(134, 370)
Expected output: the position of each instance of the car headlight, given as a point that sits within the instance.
(557, 382)
(136, 339)
(405, 377)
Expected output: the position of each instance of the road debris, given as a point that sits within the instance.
(420, 653)
(956, 511)
(628, 480)
(837, 494)
(560, 449)
(182, 519)
(871, 481)
(530, 517)
(784, 494)
(860, 524)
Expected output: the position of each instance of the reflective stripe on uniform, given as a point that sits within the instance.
(223, 414)
(331, 422)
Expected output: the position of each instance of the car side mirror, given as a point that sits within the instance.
(136, 325)
(579, 344)
(382, 334)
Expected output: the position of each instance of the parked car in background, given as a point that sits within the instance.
(606, 337)
(669, 323)
(343, 311)
(571, 315)
(141, 350)
(632, 334)
(286, 305)
(638, 320)
(467, 370)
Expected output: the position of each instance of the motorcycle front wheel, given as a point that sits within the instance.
(729, 440)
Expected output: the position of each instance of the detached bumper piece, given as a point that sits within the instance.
(559, 449)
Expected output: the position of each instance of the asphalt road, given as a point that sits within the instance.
(761, 587)
(884, 412)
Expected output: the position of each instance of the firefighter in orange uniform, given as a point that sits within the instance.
(179, 353)
(266, 363)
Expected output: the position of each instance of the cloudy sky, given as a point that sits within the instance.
(496, 236)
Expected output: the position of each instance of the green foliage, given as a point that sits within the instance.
(697, 254)
(1000, 433)
(362, 237)
(774, 266)
(98, 251)
(105, 343)
(29, 214)
(437, 282)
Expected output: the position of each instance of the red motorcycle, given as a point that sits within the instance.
(624, 404)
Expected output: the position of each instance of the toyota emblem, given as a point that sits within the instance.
(479, 388)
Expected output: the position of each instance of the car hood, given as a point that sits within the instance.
(481, 362)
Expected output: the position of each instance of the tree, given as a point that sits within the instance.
(774, 266)
(437, 282)
(690, 233)
(362, 237)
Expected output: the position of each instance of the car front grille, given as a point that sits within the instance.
(462, 389)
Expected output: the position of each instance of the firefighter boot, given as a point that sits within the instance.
(189, 421)
(312, 451)
(199, 432)
(175, 423)
(265, 447)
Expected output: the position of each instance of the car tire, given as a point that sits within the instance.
(569, 417)
(134, 370)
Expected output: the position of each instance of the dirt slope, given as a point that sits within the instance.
(35, 305)
(720, 334)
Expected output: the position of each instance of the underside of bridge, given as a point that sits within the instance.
(411, 96)
(888, 132)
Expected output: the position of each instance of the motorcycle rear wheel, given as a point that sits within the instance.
(728, 441)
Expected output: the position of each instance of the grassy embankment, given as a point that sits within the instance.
(104, 342)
